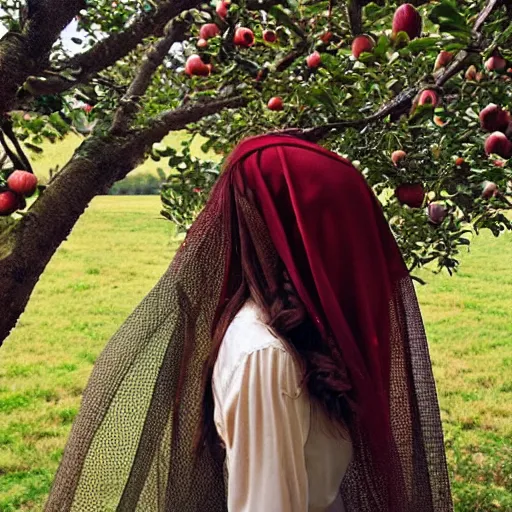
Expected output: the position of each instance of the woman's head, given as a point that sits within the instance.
(311, 245)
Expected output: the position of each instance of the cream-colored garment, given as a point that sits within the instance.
(282, 453)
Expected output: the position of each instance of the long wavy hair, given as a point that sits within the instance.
(259, 274)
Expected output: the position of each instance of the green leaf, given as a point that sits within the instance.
(449, 19)
(322, 96)
(422, 44)
(381, 47)
(401, 40)
(283, 18)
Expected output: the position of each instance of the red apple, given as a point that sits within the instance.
(490, 190)
(495, 63)
(275, 103)
(244, 37)
(471, 73)
(411, 194)
(436, 213)
(22, 182)
(459, 161)
(326, 37)
(208, 31)
(497, 143)
(9, 203)
(222, 9)
(269, 36)
(407, 19)
(397, 156)
(428, 97)
(494, 118)
(362, 44)
(196, 67)
(314, 60)
(443, 59)
(439, 121)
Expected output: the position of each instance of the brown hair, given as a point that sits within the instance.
(259, 274)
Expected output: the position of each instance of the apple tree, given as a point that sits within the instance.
(416, 96)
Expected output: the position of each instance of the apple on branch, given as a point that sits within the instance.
(407, 19)
(494, 119)
(362, 44)
(498, 144)
(269, 36)
(196, 67)
(244, 37)
(314, 60)
(411, 194)
(23, 183)
(398, 156)
(275, 103)
(9, 203)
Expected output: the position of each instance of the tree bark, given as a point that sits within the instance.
(27, 247)
(25, 54)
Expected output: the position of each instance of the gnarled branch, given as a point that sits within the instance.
(175, 32)
(114, 47)
(26, 54)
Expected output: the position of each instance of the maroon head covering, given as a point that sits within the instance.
(331, 234)
(132, 446)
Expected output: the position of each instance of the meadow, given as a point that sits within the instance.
(117, 252)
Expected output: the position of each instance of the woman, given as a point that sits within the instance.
(280, 364)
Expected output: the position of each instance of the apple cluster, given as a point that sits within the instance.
(20, 184)
(494, 119)
(243, 38)
(406, 19)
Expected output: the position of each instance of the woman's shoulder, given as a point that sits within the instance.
(249, 333)
(246, 335)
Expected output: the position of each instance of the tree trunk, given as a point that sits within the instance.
(27, 247)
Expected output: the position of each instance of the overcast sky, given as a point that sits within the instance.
(69, 32)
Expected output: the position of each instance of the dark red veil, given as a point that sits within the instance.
(132, 445)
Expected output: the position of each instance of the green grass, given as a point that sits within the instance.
(116, 254)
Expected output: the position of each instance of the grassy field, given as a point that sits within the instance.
(115, 255)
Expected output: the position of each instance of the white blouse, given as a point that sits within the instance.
(282, 453)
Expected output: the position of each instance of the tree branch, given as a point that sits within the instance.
(403, 101)
(355, 16)
(177, 119)
(485, 13)
(26, 54)
(96, 165)
(3, 158)
(175, 32)
(114, 47)
(6, 126)
(8, 151)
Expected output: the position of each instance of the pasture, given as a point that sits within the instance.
(117, 252)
